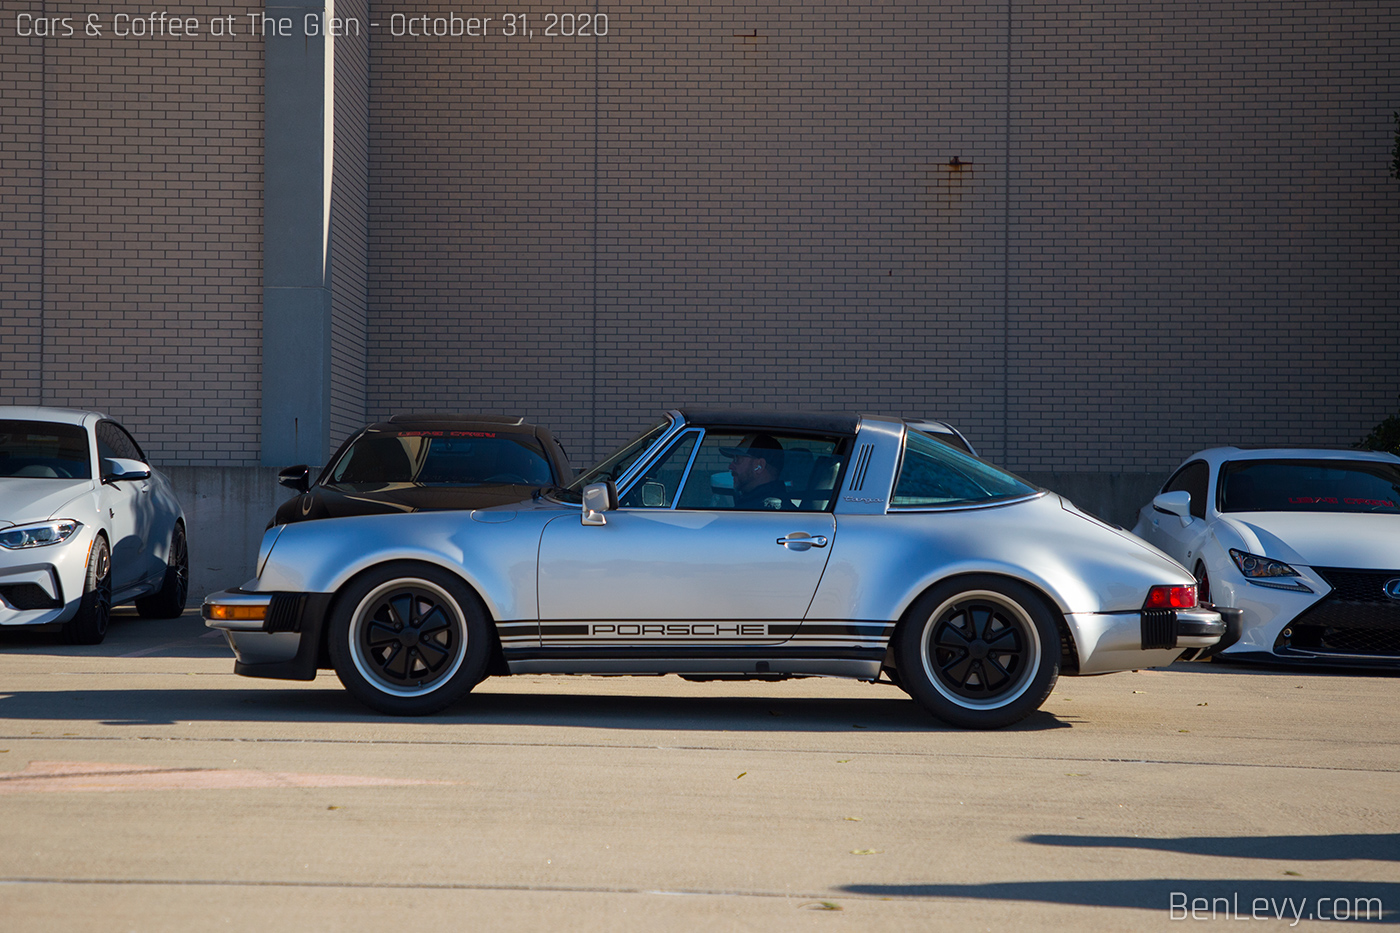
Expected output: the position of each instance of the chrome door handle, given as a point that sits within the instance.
(801, 541)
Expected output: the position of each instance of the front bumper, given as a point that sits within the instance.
(277, 635)
(1348, 620)
(43, 585)
(1120, 641)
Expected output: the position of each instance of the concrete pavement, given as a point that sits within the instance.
(145, 787)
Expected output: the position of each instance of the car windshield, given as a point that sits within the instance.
(937, 475)
(442, 458)
(618, 464)
(43, 450)
(1309, 486)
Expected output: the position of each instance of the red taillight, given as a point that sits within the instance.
(1171, 597)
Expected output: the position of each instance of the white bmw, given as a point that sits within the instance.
(1304, 543)
(85, 523)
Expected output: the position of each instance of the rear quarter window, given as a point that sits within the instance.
(935, 475)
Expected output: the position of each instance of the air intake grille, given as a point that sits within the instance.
(284, 614)
(862, 465)
(1158, 628)
(1357, 600)
(1356, 618)
(28, 596)
(1361, 586)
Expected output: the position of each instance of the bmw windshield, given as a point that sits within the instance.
(43, 450)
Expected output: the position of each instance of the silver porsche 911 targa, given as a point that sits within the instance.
(723, 545)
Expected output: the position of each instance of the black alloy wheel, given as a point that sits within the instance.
(89, 625)
(169, 601)
(979, 648)
(979, 652)
(409, 639)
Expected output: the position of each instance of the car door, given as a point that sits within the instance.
(678, 564)
(128, 509)
(1183, 540)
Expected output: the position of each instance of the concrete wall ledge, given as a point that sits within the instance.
(1114, 497)
(226, 511)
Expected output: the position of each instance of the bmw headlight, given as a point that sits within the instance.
(1265, 571)
(39, 535)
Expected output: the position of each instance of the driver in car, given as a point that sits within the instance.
(756, 463)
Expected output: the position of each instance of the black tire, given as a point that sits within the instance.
(1203, 596)
(979, 652)
(169, 601)
(409, 639)
(89, 626)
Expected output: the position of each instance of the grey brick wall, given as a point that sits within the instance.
(132, 229)
(1168, 225)
(22, 110)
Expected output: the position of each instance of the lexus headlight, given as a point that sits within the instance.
(39, 535)
(1265, 571)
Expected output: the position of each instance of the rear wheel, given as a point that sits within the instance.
(979, 652)
(169, 601)
(89, 626)
(409, 639)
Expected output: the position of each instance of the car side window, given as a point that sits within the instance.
(112, 441)
(657, 487)
(763, 471)
(1193, 478)
(937, 474)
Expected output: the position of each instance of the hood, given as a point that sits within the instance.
(1366, 540)
(24, 499)
(382, 498)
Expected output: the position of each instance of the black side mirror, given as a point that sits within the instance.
(295, 477)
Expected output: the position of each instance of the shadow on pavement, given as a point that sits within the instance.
(1173, 898)
(889, 713)
(1382, 847)
(1264, 668)
(128, 636)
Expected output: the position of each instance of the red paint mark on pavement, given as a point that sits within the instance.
(84, 776)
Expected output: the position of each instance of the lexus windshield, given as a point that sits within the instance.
(1310, 486)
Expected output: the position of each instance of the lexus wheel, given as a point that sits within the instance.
(409, 639)
(1202, 583)
(979, 652)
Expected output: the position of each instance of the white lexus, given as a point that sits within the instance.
(1305, 543)
(85, 523)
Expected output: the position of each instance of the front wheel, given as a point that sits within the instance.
(979, 652)
(409, 639)
(89, 626)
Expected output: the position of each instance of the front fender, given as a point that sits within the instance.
(498, 560)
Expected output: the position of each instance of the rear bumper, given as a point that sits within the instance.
(1119, 641)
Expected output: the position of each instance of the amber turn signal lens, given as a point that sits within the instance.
(238, 613)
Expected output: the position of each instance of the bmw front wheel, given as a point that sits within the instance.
(409, 639)
(89, 625)
(979, 652)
